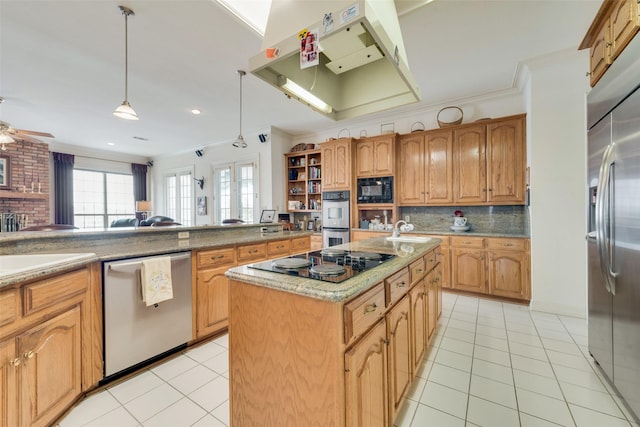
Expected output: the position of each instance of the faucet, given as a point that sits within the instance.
(396, 228)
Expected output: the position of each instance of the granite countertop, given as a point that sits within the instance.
(447, 232)
(340, 292)
(121, 244)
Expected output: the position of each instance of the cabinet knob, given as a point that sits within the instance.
(29, 355)
(587, 74)
(401, 285)
(15, 362)
(370, 308)
(217, 257)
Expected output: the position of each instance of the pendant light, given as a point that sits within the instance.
(240, 142)
(125, 111)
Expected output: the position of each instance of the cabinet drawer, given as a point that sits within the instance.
(397, 285)
(249, 252)
(49, 292)
(362, 312)
(9, 303)
(445, 240)
(507, 244)
(278, 248)
(467, 242)
(216, 257)
(301, 244)
(431, 259)
(417, 270)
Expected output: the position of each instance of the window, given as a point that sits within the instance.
(101, 197)
(235, 191)
(178, 187)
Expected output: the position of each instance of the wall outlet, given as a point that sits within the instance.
(183, 235)
(406, 218)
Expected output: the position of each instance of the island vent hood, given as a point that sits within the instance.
(361, 61)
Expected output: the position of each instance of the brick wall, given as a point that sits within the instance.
(29, 162)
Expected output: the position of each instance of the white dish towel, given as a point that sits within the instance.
(156, 280)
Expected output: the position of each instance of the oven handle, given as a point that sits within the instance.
(126, 266)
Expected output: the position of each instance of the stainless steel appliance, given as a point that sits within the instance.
(329, 264)
(335, 218)
(133, 332)
(614, 235)
(375, 190)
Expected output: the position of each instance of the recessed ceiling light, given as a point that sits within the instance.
(111, 143)
(196, 111)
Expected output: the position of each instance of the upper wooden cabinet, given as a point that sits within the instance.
(613, 27)
(475, 164)
(336, 160)
(426, 168)
(303, 180)
(375, 156)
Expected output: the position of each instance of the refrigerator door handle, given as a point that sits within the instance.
(603, 200)
(611, 225)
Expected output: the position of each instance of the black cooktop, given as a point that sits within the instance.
(328, 265)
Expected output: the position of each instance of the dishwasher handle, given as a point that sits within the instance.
(127, 267)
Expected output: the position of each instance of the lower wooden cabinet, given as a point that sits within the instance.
(432, 305)
(509, 274)
(212, 295)
(399, 347)
(468, 270)
(51, 352)
(419, 323)
(366, 380)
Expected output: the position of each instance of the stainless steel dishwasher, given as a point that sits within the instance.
(133, 332)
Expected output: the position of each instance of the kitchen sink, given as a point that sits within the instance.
(13, 264)
(409, 239)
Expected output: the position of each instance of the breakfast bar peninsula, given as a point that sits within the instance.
(333, 337)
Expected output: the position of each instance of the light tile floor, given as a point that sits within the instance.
(491, 364)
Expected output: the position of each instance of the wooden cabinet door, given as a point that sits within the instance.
(399, 354)
(599, 54)
(624, 22)
(438, 186)
(468, 270)
(364, 159)
(438, 286)
(419, 324)
(509, 274)
(212, 301)
(9, 367)
(50, 376)
(410, 176)
(366, 380)
(506, 160)
(336, 165)
(432, 305)
(469, 174)
(383, 156)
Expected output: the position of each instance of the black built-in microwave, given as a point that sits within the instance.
(375, 190)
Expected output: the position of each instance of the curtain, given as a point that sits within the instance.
(63, 187)
(139, 181)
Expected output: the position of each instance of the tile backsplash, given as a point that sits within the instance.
(483, 219)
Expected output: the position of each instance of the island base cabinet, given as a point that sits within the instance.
(419, 324)
(366, 380)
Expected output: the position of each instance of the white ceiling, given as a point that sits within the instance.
(62, 65)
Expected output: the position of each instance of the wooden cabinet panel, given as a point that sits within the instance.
(469, 177)
(336, 161)
(362, 312)
(599, 56)
(9, 367)
(375, 156)
(438, 185)
(432, 305)
(417, 270)
(399, 354)
(364, 159)
(419, 324)
(509, 274)
(9, 304)
(366, 399)
(624, 23)
(278, 247)
(316, 242)
(506, 163)
(467, 242)
(51, 367)
(212, 301)
(397, 285)
(507, 244)
(300, 244)
(248, 253)
(49, 292)
(216, 258)
(468, 270)
(410, 176)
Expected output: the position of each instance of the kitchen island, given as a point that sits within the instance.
(313, 353)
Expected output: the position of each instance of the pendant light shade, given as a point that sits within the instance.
(125, 111)
(5, 139)
(240, 142)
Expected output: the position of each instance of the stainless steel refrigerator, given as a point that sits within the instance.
(613, 115)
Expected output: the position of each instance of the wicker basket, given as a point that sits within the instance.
(443, 124)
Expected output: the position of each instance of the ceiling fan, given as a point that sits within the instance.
(9, 135)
